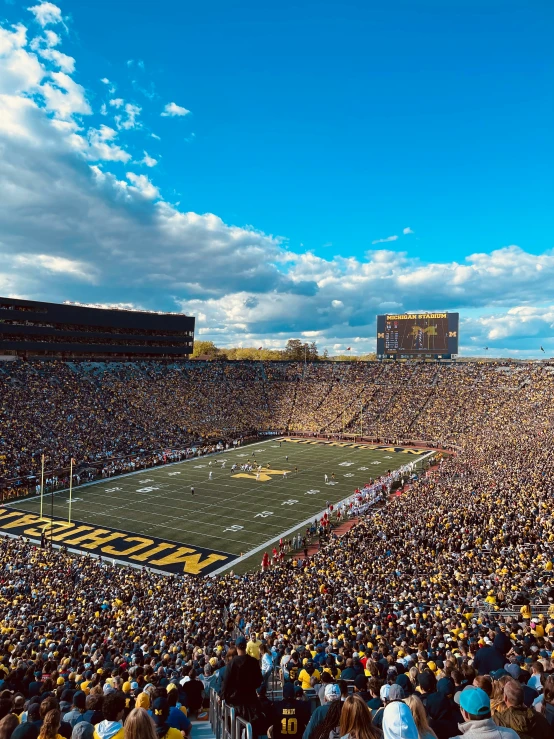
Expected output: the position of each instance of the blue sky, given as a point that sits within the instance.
(315, 133)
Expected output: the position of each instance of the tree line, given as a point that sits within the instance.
(294, 351)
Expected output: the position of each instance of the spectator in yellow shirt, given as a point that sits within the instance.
(306, 673)
(253, 647)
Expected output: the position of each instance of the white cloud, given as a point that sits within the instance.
(59, 265)
(117, 103)
(44, 46)
(64, 97)
(129, 120)
(65, 215)
(407, 231)
(20, 70)
(47, 14)
(143, 185)
(105, 80)
(148, 160)
(101, 149)
(172, 109)
(384, 241)
(63, 61)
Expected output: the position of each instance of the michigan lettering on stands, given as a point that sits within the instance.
(354, 445)
(159, 554)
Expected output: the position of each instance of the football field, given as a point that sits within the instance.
(152, 518)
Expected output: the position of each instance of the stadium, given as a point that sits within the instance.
(276, 370)
(382, 522)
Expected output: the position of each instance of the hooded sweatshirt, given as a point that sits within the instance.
(484, 729)
(398, 722)
(108, 730)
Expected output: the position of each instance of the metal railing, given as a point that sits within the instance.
(224, 721)
(496, 609)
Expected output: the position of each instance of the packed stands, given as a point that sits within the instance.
(448, 586)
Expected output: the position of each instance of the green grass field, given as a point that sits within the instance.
(233, 512)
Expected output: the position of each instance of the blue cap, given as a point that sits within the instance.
(240, 642)
(476, 702)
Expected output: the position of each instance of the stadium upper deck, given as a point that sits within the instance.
(30, 328)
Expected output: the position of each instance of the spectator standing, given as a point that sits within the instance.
(355, 720)
(112, 709)
(139, 725)
(476, 711)
(417, 709)
(398, 722)
(242, 679)
(290, 716)
(527, 723)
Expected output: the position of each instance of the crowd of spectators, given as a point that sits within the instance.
(436, 609)
(116, 414)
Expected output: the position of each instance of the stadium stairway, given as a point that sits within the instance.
(202, 730)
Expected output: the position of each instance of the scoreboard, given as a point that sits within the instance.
(433, 335)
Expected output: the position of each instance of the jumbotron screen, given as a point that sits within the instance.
(434, 334)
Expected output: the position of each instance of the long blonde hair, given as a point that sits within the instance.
(355, 719)
(50, 725)
(139, 725)
(420, 717)
(498, 704)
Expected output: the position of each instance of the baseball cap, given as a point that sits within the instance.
(240, 642)
(513, 670)
(332, 692)
(396, 693)
(475, 701)
(458, 695)
(384, 692)
(497, 674)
